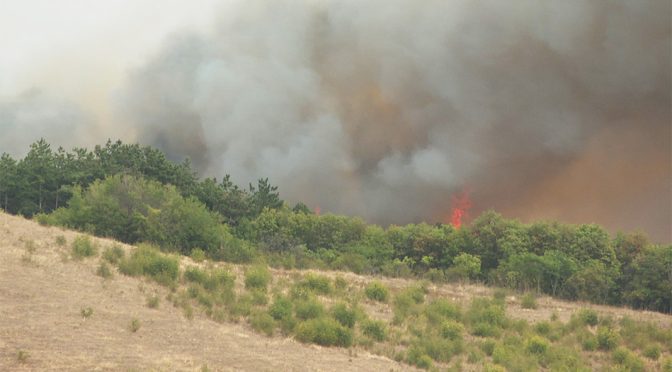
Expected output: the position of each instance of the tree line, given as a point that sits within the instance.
(134, 194)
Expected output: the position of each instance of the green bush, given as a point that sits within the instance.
(628, 360)
(309, 309)
(537, 345)
(528, 301)
(83, 247)
(147, 260)
(589, 343)
(197, 255)
(60, 241)
(134, 326)
(113, 254)
(441, 309)
(319, 284)
(377, 291)
(451, 330)
(325, 332)
(344, 315)
(607, 338)
(417, 357)
(281, 308)
(257, 277)
(375, 329)
(153, 302)
(483, 329)
(262, 322)
(588, 317)
(488, 347)
(652, 352)
(104, 271)
(86, 312)
(543, 328)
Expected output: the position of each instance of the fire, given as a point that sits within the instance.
(461, 205)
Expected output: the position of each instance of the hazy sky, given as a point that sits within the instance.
(378, 108)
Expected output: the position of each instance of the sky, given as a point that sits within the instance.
(382, 109)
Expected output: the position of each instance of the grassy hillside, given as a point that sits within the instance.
(77, 302)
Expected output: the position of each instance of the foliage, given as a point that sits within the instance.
(375, 329)
(377, 291)
(147, 260)
(83, 247)
(528, 301)
(344, 315)
(257, 277)
(324, 331)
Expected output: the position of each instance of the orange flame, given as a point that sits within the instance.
(461, 205)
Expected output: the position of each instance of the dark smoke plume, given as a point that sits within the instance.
(542, 109)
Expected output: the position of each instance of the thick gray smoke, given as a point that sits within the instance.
(541, 109)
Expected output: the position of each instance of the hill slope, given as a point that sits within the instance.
(42, 294)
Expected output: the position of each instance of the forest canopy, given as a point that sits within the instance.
(135, 194)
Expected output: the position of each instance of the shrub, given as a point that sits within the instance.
(281, 308)
(325, 332)
(22, 356)
(83, 247)
(375, 329)
(441, 309)
(113, 254)
(589, 343)
(607, 338)
(377, 291)
(309, 309)
(418, 358)
(60, 241)
(153, 302)
(86, 312)
(195, 275)
(319, 284)
(104, 271)
(340, 283)
(344, 315)
(588, 317)
(667, 364)
(451, 330)
(488, 346)
(543, 328)
(257, 277)
(197, 255)
(134, 326)
(652, 352)
(485, 330)
(627, 359)
(262, 322)
(537, 345)
(147, 260)
(528, 301)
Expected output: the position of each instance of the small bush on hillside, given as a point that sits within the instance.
(451, 330)
(147, 260)
(588, 317)
(22, 356)
(309, 309)
(607, 338)
(104, 271)
(197, 255)
(262, 322)
(83, 247)
(281, 308)
(488, 347)
(375, 329)
(195, 275)
(257, 277)
(340, 283)
(377, 291)
(652, 352)
(325, 332)
(344, 315)
(537, 345)
(113, 254)
(628, 360)
(667, 364)
(319, 284)
(86, 312)
(418, 358)
(60, 241)
(153, 302)
(134, 326)
(528, 301)
(442, 309)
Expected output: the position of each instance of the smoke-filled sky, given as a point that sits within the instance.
(383, 109)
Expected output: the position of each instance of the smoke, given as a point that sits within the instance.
(385, 109)
(34, 113)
